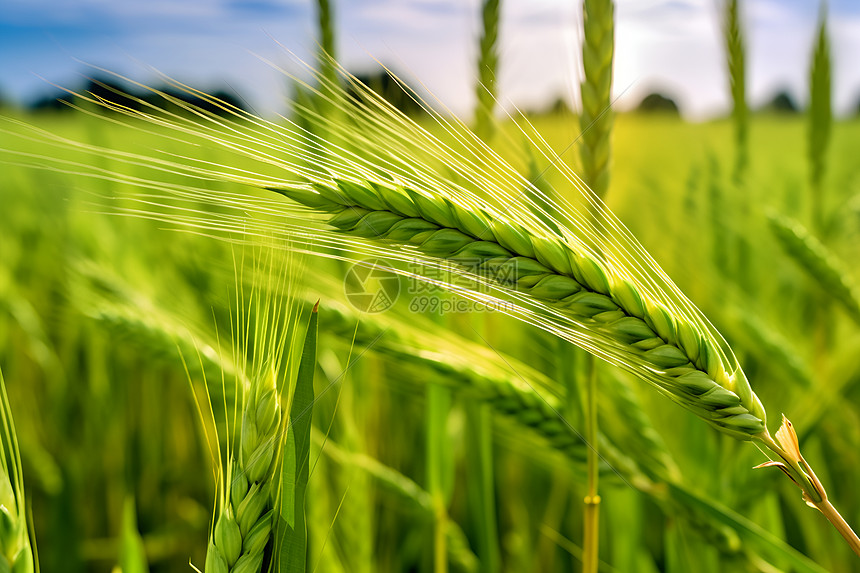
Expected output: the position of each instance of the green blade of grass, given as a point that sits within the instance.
(751, 533)
(132, 556)
(482, 489)
(294, 474)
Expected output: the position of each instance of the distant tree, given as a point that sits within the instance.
(381, 82)
(559, 107)
(176, 100)
(657, 102)
(782, 102)
(55, 101)
(119, 94)
(110, 90)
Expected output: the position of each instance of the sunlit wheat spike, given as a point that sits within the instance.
(246, 514)
(551, 271)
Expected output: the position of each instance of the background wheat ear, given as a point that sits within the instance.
(822, 266)
(596, 119)
(733, 33)
(488, 61)
(820, 121)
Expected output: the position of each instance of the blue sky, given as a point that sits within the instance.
(671, 45)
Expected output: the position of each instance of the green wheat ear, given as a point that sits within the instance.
(820, 120)
(818, 261)
(690, 369)
(596, 120)
(488, 63)
(735, 50)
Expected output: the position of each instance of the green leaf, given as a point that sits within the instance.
(132, 556)
(765, 542)
(292, 532)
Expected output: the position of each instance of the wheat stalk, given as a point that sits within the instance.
(482, 506)
(595, 122)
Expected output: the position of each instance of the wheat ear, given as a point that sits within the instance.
(248, 488)
(488, 62)
(820, 120)
(818, 261)
(244, 525)
(548, 269)
(734, 39)
(596, 120)
(689, 365)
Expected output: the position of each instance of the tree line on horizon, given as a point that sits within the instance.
(657, 101)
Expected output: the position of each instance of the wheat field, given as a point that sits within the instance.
(355, 339)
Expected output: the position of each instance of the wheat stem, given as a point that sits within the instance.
(840, 524)
(591, 524)
(596, 152)
(478, 416)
